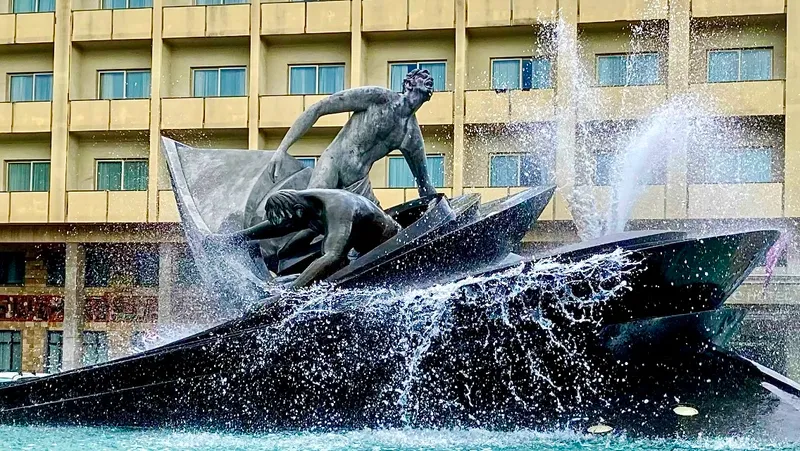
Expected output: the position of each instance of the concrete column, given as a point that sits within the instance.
(565, 132)
(166, 271)
(59, 137)
(254, 72)
(793, 354)
(678, 84)
(358, 48)
(156, 160)
(74, 301)
(792, 138)
(458, 96)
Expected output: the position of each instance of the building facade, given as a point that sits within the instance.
(528, 92)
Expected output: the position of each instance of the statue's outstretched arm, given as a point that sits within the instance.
(413, 150)
(334, 252)
(264, 230)
(355, 99)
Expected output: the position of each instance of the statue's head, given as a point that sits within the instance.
(418, 87)
(285, 206)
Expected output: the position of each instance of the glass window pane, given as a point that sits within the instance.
(109, 175)
(208, 2)
(135, 176)
(723, 66)
(112, 85)
(140, 3)
(303, 80)
(400, 174)
(114, 4)
(604, 167)
(756, 64)
(55, 350)
(46, 5)
(234, 2)
(611, 70)
(24, 6)
(95, 348)
(397, 73)
(43, 87)
(527, 73)
(435, 166)
(331, 79)
(5, 351)
(542, 74)
(530, 171)
(40, 177)
(232, 82)
(137, 85)
(755, 166)
(19, 176)
(505, 74)
(504, 170)
(206, 82)
(308, 162)
(12, 268)
(21, 88)
(439, 73)
(643, 69)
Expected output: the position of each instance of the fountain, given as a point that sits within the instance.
(440, 325)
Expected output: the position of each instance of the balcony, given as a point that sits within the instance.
(209, 112)
(747, 98)
(27, 28)
(438, 110)
(167, 207)
(624, 102)
(622, 10)
(391, 15)
(720, 8)
(102, 115)
(281, 111)
(107, 24)
(390, 197)
(498, 13)
(305, 17)
(106, 206)
(206, 21)
(492, 107)
(25, 117)
(750, 200)
(24, 207)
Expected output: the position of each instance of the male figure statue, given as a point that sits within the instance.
(347, 221)
(382, 121)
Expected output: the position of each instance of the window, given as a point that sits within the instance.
(316, 79)
(400, 174)
(145, 266)
(124, 84)
(604, 168)
(34, 6)
(521, 73)
(95, 347)
(127, 4)
(187, 273)
(739, 65)
(10, 350)
(437, 69)
(219, 2)
(122, 175)
(516, 170)
(636, 69)
(31, 87)
(743, 165)
(55, 264)
(309, 162)
(219, 82)
(604, 163)
(12, 268)
(28, 176)
(55, 351)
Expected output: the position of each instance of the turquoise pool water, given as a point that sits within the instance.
(88, 439)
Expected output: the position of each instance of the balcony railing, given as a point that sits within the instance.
(25, 117)
(500, 106)
(331, 16)
(112, 24)
(204, 112)
(24, 207)
(106, 206)
(103, 115)
(206, 21)
(27, 28)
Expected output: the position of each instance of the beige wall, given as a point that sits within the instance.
(482, 49)
(604, 39)
(381, 53)
(275, 80)
(180, 60)
(310, 145)
(85, 64)
(11, 63)
(20, 149)
(86, 151)
(728, 34)
(482, 141)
